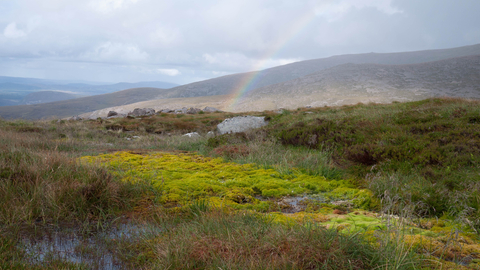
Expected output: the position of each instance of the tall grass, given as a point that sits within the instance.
(39, 184)
(218, 240)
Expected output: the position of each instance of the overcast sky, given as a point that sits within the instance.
(182, 41)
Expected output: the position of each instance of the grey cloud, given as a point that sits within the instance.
(183, 41)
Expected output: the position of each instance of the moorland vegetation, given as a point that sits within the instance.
(373, 186)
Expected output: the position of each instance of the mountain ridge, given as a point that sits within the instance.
(226, 85)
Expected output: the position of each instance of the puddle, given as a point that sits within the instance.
(94, 250)
(292, 205)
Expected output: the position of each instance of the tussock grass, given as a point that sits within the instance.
(39, 184)
(217, 240)
(431, 148)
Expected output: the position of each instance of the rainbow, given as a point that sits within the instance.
(250, 79)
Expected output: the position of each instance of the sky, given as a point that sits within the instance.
(184, 41)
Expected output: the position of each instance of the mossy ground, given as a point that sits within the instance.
(399, 181)
(182, 181)
(181, 178)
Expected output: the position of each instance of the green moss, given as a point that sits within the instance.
(357, 222)
(185, 177)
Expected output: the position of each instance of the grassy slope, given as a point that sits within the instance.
(428, 148)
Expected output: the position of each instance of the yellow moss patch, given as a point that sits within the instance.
(185, 177)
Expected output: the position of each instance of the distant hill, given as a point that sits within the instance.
(344, 84)
(226, 84)
(14, 89)
(353, 83)
(303, 79)
(77, 106)
(47, 96)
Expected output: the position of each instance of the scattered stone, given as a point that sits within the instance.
(76, 118)
(112, 113)
(136, 137)
(211, 109)
(142, 112)
(193, 111)
(344, 203)
(210, 134)
(308, 112)
(308, 107)
(181, 111)
(120, 115)
(240, 124)
(192, 135)
(167, 111)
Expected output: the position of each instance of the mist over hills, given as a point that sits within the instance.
(343, 79)
(47, 96)
(76, 106)
(13, 90)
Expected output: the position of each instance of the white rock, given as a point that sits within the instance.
(192, 135)
(210, 134)
(240, 124)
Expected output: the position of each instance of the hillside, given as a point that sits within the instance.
(47, 96)
(227, 84)
(344, 84)
(219, 102)
(80, 105)
(353, 83)
(14, 89)
(296, 76)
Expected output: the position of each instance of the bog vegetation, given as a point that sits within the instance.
(377, 186)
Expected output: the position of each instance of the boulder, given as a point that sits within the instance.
(167, 111)
(211, 109)
(181, 111)
(193, 111)
(240, 124)
(112, 113)
(120, 115)
(142, 112)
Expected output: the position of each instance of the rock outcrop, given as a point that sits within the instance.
(142, 112)
(240, 124)
(211, 109)
(193, 111)
(112, 113)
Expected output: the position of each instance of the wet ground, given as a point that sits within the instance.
(93, 249)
